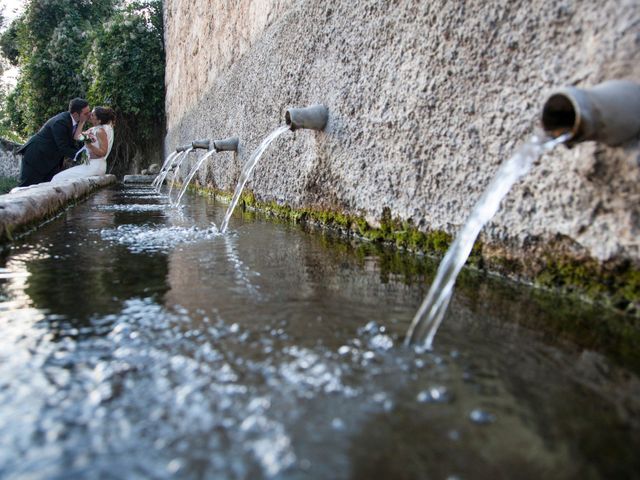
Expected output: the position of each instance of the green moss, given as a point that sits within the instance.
(630, 286)
(617, 286)
(503, 264)
(248, 199)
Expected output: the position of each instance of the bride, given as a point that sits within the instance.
(98, 150)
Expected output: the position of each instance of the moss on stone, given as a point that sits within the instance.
(617, 286)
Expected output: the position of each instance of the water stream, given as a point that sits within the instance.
(138, 342)
(176, 173)
(157, 182)
(246, 172)
(193, 171)
(163, 175)
(431, 312)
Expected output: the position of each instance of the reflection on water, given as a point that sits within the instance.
(139, 343)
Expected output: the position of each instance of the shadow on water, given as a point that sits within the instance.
(69, 251)
(139, 343)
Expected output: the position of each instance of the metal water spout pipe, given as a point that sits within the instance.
(226, 144)
(314, 117)
(203, 144)
(608, 112)
(183, 148)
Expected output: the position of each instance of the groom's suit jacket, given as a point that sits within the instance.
(44, 152)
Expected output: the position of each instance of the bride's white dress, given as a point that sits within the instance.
(96, 166)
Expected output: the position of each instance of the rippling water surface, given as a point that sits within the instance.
(137, 342)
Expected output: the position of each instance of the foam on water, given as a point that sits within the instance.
(151, 238)
(138, 207)
(150, 364)
(146, 195)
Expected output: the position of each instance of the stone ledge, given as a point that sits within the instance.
(32, 205)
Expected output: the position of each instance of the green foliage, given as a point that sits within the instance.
(110, 52)
(6, 184)
(12, 115)
(8, 43)
(126, 64)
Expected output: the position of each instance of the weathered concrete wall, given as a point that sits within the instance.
(426, 99)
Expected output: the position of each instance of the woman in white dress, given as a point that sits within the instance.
(98, 150)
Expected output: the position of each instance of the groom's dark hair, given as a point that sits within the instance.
(77, 104)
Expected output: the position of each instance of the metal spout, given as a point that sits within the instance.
(607, 113)
(314, 117)
(183, 148)
(204, 144)
(226, 144)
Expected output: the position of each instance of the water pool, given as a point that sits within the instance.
(139, 343)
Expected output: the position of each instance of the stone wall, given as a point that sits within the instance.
(9, 160)
(425, 99)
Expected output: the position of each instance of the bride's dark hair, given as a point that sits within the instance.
(104, 114)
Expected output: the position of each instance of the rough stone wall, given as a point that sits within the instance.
(9, 160)
(425, 100)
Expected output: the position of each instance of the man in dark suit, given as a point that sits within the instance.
(44, 153)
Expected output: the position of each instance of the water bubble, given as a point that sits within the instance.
(259, 404)
(371, 328)
(380, 397)
(481, 417)
(381, 342)
(174, 465)
(337, 424)
(437, 394)
(453, 435)
(343, 350)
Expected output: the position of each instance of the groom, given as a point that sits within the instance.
(44, 152)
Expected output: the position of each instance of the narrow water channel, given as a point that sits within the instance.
(137, 342)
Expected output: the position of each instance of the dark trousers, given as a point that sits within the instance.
(31, 176)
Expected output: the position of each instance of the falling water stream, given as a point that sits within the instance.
(193, 171)
(431, 313)
(163, 174)
(178, 164)
(157, 182)
(246, 172)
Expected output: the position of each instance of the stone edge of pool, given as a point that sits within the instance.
(27, 208)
